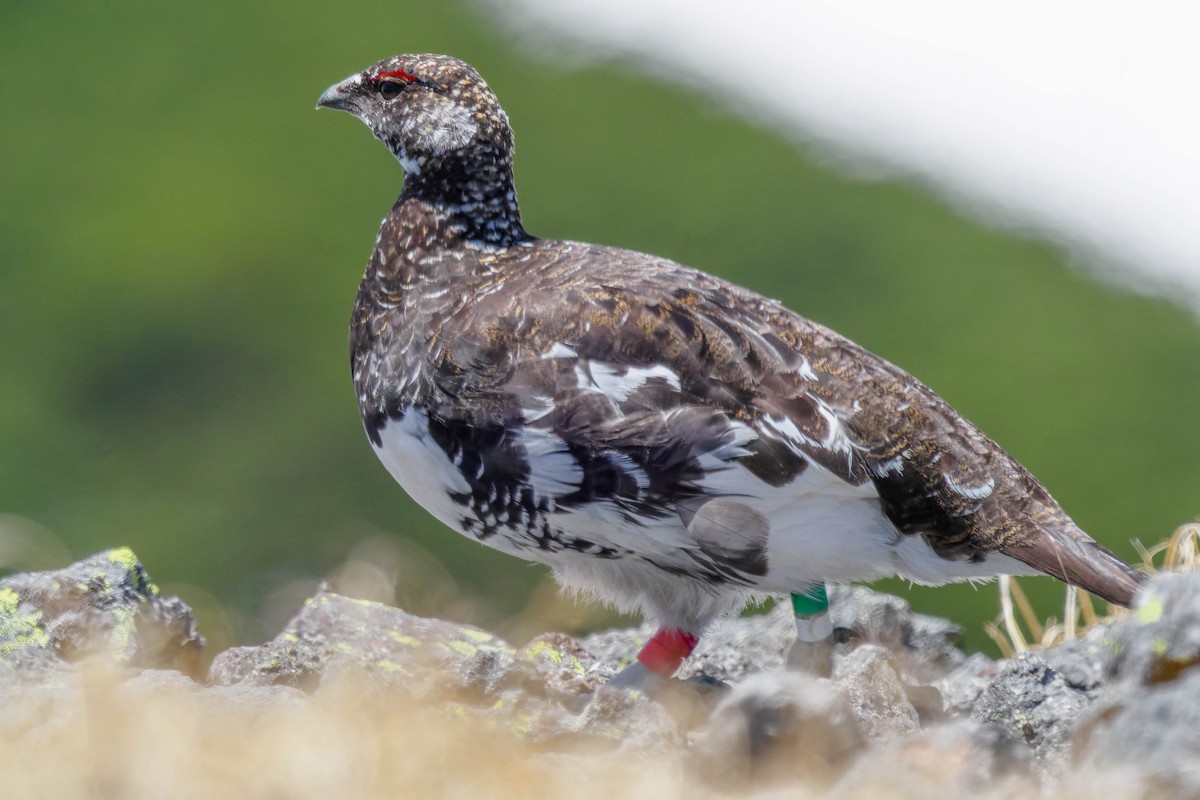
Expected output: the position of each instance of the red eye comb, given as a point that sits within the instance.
(394, 73)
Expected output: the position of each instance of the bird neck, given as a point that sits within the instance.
(470, 198)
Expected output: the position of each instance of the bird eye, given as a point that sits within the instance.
(390, 89)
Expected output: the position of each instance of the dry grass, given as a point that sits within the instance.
(1020, 627)
(102, 738)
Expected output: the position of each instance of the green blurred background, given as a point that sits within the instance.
(181, 236)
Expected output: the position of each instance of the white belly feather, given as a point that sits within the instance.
(821, 528)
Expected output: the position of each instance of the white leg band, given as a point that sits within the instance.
(816, 628)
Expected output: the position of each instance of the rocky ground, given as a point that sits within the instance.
(355, 698)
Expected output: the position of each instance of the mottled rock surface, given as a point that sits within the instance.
(775, 727)
(1031, 700)
(901, 711)
(334, 634)
(102, 606)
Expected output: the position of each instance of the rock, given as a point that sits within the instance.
(631, 723)
(1160, 640)
(964, 758)
(563, 663)
(868, 681)
(545, 693)
(904, 712)
(926, 648)
(615, 649)
(775, 728)
(1032, 701)
(1082, 663)
(333, 634)
(1146, 723)
(738, 647)
(102, 606)
(961, 687)
(1152, 732)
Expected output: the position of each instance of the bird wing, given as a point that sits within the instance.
(634, 390)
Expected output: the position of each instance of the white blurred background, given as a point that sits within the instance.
(1076, 121)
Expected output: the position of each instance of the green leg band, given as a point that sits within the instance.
(810, 603)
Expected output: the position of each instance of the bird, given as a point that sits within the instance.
(664, 440)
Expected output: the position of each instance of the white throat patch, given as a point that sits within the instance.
(411, 166)
(442, 129)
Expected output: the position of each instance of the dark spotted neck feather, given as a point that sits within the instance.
(468, 198)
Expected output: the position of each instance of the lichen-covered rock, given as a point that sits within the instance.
(543, 693)
(615, 649)
(25, 647)
(631, 722)
(1028, 698)
(104, 605)
(563, 663)
(729, 651)
(604, 721)
(333, 634)
(903, 712)
(1145, 724)
(1161, 638)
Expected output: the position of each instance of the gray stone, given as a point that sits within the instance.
(1082, 663)
(961, 687)
(615, 649)
(926, 648)
(102, 606)
(964, 758)
(904, 713)
(868, 681)
(728, 651)
(1153, 732)
(775, 728)
(630, 723)
(1161, 638)
(737, 647)
(616, 720)
(562, 662)
(1034, 702)
(333, 636)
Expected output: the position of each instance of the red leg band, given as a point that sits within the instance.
(666, 650)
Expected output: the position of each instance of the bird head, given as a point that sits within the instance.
(428, 109)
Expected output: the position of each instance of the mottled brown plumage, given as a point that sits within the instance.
(566, 390)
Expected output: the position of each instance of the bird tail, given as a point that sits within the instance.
(1072, 556)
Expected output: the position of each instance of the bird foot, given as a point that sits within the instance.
(707, 686)
(639, 678)
(658, 660)
(689, 702)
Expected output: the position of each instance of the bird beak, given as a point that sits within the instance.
(337, 96)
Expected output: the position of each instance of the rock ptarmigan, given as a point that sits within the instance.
(662, 439)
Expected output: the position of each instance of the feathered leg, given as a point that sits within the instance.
(814, 626)
(658, 660)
